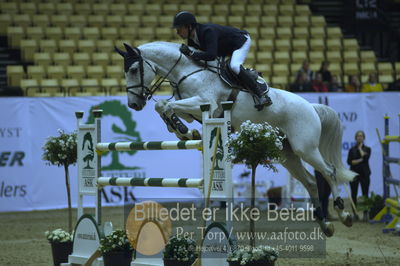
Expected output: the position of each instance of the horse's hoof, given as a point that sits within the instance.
(196, 134)
(329, 230)
(348, 221)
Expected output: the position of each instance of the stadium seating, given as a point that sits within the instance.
(72, 42)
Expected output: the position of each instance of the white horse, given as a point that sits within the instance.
(314, 132)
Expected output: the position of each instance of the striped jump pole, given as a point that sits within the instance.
(150, 145)
(150, 182)
(216, 181)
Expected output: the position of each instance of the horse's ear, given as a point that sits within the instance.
(129, 49)
(122, 53)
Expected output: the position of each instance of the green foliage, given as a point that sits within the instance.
(60, 150)
(181, 249)
(256, 144)
(117, 241)
(367, 203)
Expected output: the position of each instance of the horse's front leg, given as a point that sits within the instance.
(171, 112)
(172, 127)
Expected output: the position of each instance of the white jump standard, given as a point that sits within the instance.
(216, 184)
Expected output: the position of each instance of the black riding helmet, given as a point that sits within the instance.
(183, 18)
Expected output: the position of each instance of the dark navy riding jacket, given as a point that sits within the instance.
(217, 40)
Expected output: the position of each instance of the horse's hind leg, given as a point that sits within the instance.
(314, 158)
(296, 169)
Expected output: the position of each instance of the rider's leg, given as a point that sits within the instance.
(237, 60)
(251, 84)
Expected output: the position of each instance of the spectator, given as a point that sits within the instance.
(305, 68)
(326, 74)
(372, 85)
(335, 86)
(358, 158)
(301, 84)
(353, 85)
(317, 85)
(394, 86)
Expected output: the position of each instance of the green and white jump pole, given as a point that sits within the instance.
(215, 184)
(89, 163)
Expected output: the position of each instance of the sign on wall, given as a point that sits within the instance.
(27, 183)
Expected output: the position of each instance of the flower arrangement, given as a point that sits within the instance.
(245, 256)
(256, 144)
(58, 236)
(117, 241)
(60, 150)
(180, 249)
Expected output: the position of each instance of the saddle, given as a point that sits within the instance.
(231, 79)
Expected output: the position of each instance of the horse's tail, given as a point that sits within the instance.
(330, 144)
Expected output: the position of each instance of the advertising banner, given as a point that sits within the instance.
(28, 183)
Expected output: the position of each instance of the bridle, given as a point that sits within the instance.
(134, 55)
(145, 93)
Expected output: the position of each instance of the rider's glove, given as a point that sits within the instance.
(186, 50)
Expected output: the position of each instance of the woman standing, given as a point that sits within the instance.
(358, 158)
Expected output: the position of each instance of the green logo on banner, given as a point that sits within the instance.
(128, 134)
(219, 156)
(89, 151)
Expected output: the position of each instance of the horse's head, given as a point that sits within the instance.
(139, 74)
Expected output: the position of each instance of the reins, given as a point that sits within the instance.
(146, 93)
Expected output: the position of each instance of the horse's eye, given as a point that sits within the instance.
(133, 70)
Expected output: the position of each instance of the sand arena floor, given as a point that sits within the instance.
(22, 241)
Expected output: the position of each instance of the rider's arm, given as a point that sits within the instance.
(211, 43)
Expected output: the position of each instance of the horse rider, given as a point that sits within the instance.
(216, 40)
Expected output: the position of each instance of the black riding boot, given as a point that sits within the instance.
(259, 90)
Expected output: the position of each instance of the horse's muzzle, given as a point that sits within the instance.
(136, 106)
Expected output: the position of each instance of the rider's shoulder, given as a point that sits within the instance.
(209, 26)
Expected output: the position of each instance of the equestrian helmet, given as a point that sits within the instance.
(183, 18)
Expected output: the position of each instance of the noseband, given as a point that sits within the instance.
(145, 93)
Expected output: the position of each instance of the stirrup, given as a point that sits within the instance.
(268, 100)
(259, 105)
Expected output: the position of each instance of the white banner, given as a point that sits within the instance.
(27, 183)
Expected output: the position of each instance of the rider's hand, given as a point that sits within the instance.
(186, 50)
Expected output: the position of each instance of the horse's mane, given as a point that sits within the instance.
(160, 48)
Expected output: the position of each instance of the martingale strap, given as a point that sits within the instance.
(175, 85)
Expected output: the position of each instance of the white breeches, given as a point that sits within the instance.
(239, 55)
